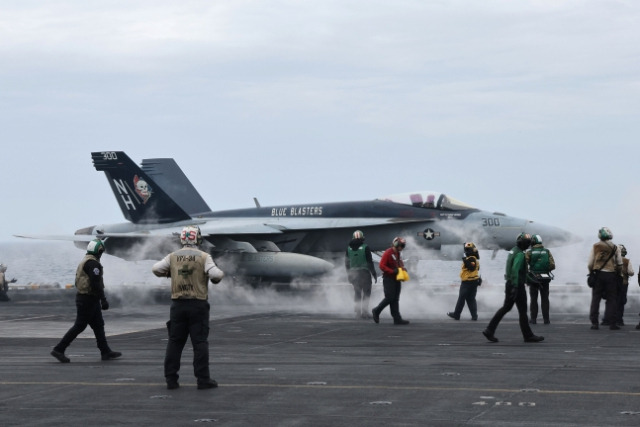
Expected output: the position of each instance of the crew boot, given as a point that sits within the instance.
(111, 355)
(60, 356)
(207, 384)
(489, 335)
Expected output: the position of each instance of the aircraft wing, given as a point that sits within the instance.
(66, 237)
(231, 226)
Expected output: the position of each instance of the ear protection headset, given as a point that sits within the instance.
(399, 242)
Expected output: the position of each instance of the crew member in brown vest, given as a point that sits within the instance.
(90, 301)
(189, 269)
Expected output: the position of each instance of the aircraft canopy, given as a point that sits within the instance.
(428, 199)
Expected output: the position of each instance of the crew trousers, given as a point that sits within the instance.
(361, 281)
(88, 313)
(392, 289)
(520, 303)
(188, 318)
(541, 288)
(606, 287)
(622, 300)
(467, 293)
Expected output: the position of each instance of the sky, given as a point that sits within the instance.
(528, 108)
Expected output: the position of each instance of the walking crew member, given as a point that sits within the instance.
(470, 277)
(515, 292)
(390, 262)
(360, 269)
(90, 301)
(189, 269)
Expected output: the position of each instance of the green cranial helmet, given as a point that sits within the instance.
(605, 234)
(95, 247)
(536, 239)
(623, 250)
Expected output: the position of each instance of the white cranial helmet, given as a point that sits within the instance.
(191, 235)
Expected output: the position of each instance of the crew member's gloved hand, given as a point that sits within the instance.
(104, 304)
(12, 280)
(513, 293)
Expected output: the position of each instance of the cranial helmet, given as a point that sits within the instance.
(3, 268)
(358, 235)
(536, 239)
(469, 247)
(96, 247)
(399, 242)
(191, 235)
(605, 234)
(623, 250)
(523, 240)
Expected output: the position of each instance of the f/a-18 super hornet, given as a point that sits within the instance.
(279, 243)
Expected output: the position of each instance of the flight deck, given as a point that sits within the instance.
(280, 365)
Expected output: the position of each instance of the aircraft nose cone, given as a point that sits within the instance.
(552, 236)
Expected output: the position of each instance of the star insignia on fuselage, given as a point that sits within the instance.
(429, 234)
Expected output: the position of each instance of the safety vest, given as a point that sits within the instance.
(188, 278)
(358, 258)
(468, 275)
(539, 260)
(83, 281)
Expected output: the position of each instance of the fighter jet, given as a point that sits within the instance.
(279, 243)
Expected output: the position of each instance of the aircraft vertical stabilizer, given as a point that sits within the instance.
(168, 175)
(139, 197)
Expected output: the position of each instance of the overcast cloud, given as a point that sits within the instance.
(528, 108)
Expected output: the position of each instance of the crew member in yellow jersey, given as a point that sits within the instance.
(190, 270)
(470, 280)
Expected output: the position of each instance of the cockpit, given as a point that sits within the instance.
(428, 199)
